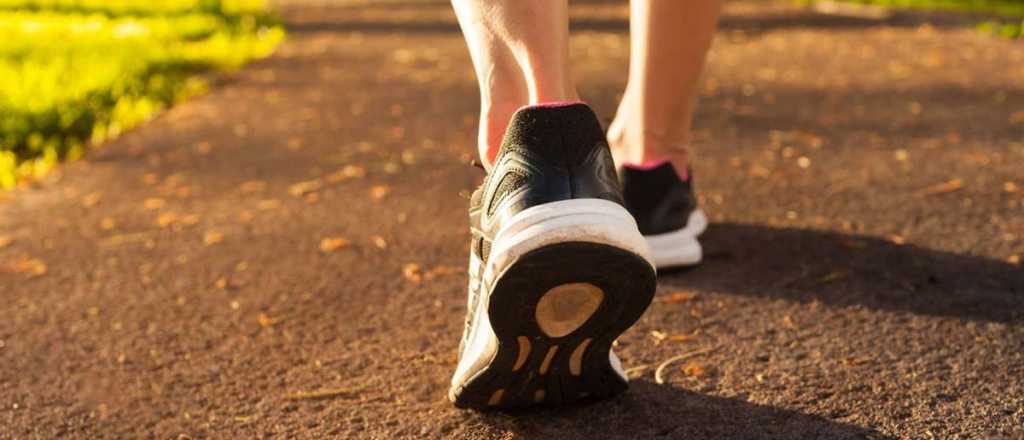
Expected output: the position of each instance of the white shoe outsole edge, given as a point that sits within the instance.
(679, 248)
(578, 220)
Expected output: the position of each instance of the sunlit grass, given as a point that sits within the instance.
(1011, 25)
(77, 72)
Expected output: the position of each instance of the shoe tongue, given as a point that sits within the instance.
(562, 133)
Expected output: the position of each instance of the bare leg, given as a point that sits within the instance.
(669, 41)
(520, 51)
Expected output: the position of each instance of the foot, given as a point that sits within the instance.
(666, 211)
(558, 268)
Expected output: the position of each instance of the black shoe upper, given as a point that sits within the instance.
(658, 198)
(549, 154)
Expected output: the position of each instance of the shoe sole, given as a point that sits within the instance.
(679, 248)
(554, 312)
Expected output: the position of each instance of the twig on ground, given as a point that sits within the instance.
(636, 371)
(942, 188)
(659, 373)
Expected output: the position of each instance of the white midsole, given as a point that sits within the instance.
(680, 247)
(578, 220)
(581, 220)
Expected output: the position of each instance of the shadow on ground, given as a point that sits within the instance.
(844, 270)
(656, 411)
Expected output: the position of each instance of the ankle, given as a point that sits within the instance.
(646, 151)
(494, 119)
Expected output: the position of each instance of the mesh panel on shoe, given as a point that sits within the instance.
(485, 249)
(511, 181)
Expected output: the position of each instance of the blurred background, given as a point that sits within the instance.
(78, 72)
(232, 219)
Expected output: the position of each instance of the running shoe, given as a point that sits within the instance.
(557, 271)
(666, 211)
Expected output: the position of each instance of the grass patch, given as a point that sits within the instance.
(1010, 13)
(1006, 8)
(78, 72)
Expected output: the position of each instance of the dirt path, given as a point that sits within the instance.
(864, 179)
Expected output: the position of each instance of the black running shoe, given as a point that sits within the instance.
(557, 270)
(666, 211)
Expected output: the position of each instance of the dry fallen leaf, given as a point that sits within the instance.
(190, 219)
(5, 241)
(687, 337)
(942, 188)
(659, 373)
(379, 191)
(302, 188)
(1017, 117)
(788, 322)
(91, 199)
(331, 244)
(253, 186)
(268, 204)
(1013, 259)
(245, 216)
(348, 172)
(1010, 187)
(212, 237)
(33, 267)
(203, 148)
(166, 219)
(107, 224)
(658, 336)
(412, 272)
(266, 321)
(855, 361)
(222, 283)
(679, 297)
(440, 271)
(693, 369)
(183, 192)
(153, 203)
(377, 241)
(120, 239)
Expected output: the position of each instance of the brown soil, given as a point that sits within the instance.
(863, 178)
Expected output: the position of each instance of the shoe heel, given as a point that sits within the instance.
(554, 315)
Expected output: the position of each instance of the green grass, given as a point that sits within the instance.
(1008, 8)
(78, 72)
(1011, 12)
